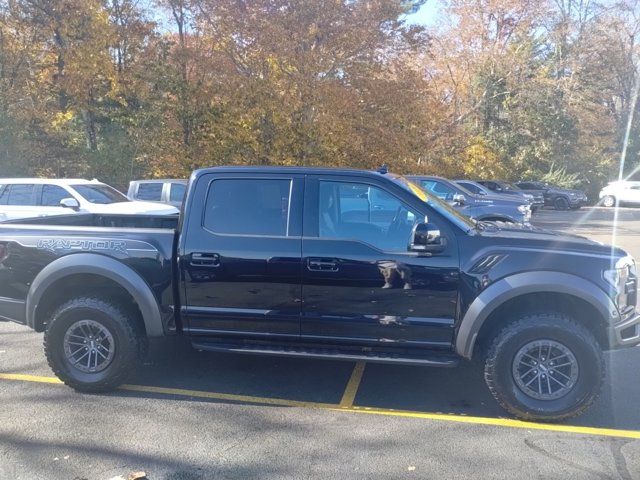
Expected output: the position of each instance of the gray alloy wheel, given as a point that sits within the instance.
(545, 369)
(88, 346)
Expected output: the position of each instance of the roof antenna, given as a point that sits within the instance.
(383, 169)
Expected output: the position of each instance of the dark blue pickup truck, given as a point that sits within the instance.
(340, 264)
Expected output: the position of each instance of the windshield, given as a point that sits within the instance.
(436, 203)
(99, 193)
(509, 186)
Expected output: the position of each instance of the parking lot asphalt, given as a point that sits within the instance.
(199, 415)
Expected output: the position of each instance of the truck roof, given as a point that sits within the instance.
(287, 170)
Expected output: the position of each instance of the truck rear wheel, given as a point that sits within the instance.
(92, 344)
(544, 367)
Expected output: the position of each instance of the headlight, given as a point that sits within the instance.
(523, 209)
(528, 198)
(622, 279)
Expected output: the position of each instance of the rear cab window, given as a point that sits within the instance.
(238, 206)
(150, 191)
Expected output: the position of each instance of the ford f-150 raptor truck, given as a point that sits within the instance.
(340, 264)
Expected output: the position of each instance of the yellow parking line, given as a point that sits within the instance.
(283, 402)
(352, 386)
(488, 421)
(498, 422)
(28, 378)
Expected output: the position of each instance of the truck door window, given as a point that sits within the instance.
(52, 194)
(440, 189)
(471, 187)
(366, 213)
(248, 207)
(150, 192)
(17, 194)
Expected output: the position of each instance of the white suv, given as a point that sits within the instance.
(620, 192)
(40, 197)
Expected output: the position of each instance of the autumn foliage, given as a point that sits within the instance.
(496, 88)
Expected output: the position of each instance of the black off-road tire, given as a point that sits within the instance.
(121, 322)
(561, 203)
(545, 326)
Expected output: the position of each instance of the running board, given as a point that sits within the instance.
(430, 359)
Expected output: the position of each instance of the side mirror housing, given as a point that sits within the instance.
(426, 238)
(71, 203)
(459, 199)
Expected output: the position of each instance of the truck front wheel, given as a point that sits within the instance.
(92, 344)
(544, 367)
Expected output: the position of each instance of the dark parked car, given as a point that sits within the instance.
(320, 263)
(478, 207)
(557, 197)
(169, 191)
(506, 188)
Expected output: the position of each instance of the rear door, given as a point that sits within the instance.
(241, 255)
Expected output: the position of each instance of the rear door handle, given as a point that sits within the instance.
(322, 264)
(205, 260)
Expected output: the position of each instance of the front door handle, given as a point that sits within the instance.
(205, 260)
(322, 264)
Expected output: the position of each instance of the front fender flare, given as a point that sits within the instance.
(88, 263)
(521, 284)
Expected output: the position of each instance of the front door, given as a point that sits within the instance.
(360, 282)
(241, 256)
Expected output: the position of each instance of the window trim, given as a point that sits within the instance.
(249, 235)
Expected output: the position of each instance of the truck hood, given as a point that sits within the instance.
(534, 237)
(132, 208)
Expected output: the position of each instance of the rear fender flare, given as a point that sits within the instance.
(87, 263)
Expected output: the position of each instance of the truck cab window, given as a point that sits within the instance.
(365, 213)
(248, 207)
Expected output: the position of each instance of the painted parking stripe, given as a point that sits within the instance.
(352, 386)
(488, 421)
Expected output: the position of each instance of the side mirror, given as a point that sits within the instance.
(459, 199)
(481, 192)
(71, 203)
(426, 238)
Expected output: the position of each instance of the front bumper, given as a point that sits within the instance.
(626, 333)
